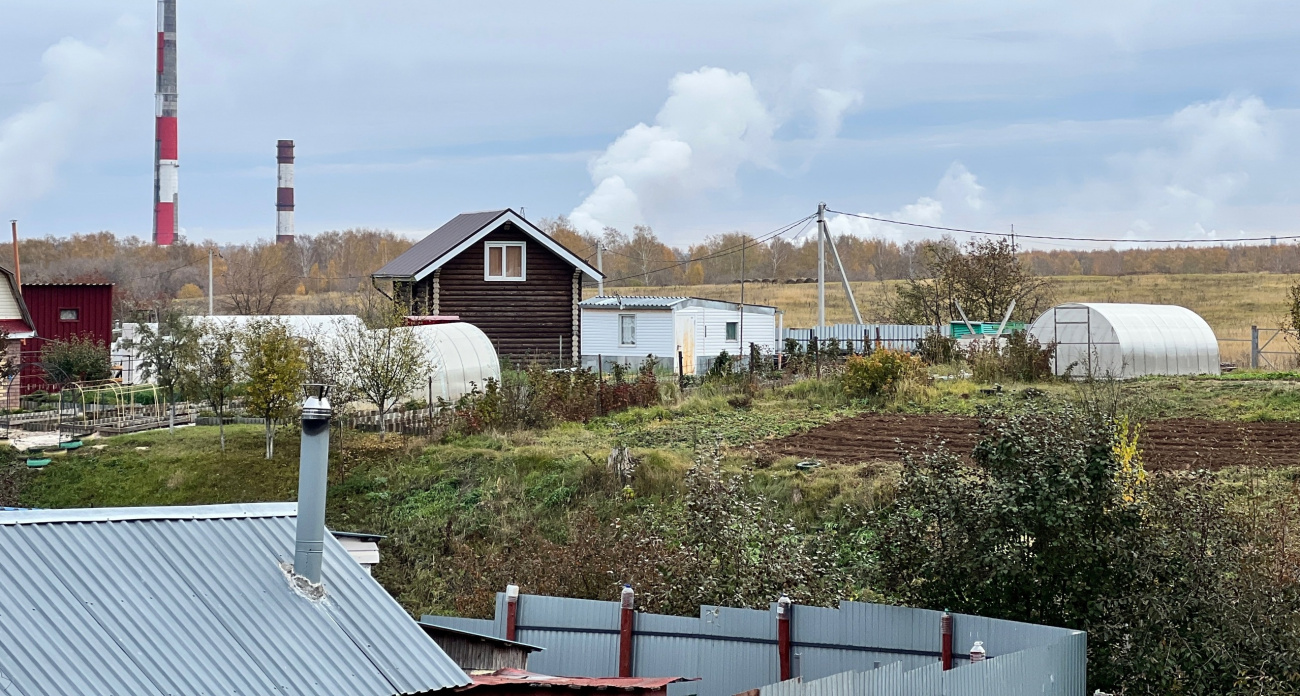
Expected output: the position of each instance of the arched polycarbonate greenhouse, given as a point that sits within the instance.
(1127, 340)
(463, 358)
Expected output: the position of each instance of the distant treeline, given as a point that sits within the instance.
(256, 277)
(641, 259)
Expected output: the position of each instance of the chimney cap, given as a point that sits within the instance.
(316, 405)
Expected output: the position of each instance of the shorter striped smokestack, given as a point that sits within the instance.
(284, 193)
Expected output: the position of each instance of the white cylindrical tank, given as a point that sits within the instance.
(1122, 341)
(463, 358)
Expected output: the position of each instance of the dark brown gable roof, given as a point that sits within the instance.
(444, 243)
(439, 242)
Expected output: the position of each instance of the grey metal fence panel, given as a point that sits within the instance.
(580, 635)
(1056, 669)
(854, 649)
(894, 336)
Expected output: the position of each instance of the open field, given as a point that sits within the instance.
(1183, 443)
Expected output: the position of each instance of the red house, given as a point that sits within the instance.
(60, 311)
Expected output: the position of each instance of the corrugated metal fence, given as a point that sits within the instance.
(894, 649)
(863, 336)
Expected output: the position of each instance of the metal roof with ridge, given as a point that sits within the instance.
(651, 302)
(196, 600)
(457, 234)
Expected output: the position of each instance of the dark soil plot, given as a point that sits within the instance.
(1185, 443)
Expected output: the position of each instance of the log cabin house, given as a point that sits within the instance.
(499, 272)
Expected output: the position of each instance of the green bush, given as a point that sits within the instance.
(1180, 592)
(1019, 358)
(880, 373)
(937, 349)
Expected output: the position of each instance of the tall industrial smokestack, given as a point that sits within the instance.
(165, 165)
(284, 193)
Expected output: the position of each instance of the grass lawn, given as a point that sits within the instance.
(463, 499)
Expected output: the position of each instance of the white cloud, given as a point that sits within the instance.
(958, 193)
(829, 108)
(711, 124)
(1206, 158)
(79, 84)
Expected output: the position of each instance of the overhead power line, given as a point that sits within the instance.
(722, 252)
(1065, 239)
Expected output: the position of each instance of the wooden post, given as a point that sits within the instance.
(626, 618)
(512, 610)
(600, 384)
(878, 344)
(945, 632)
(1254, 347)
(784, 609)
(681, 370)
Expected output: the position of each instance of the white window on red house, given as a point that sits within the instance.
(504, 261)
(69, 315)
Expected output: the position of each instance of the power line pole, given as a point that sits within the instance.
(1013, 237)
(821, 268)
(600, 266)
(743, 352)
(209, 282)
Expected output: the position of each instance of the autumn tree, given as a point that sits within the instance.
(984, 278)
(258, 278)
(384, 364)
(79, 358)
(167, 356)
(216, 373)
(273, 370)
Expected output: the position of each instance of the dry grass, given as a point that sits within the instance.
(1230, 302)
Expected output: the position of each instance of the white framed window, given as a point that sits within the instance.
(627, 329)
(733, 331)
(69, 315)
(504, 261)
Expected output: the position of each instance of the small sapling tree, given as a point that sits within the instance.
(384, 364)
(216, 373)
(273, 369)
(167, 356)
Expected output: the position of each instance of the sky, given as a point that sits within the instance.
(1133, 119)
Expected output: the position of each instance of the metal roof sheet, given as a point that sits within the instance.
(193, 600)
(448, 241)
(432, 628)
(439, 242)
(519, 677)
(633, 301)
(650, 302)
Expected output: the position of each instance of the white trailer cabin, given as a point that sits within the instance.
(626, 330)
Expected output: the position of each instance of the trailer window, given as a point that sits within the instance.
(627, 329)
(733, 330)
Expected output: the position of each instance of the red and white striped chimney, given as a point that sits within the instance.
(284, 192)
(165, 196)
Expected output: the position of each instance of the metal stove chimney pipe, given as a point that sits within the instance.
(284, 192)
(313, 472)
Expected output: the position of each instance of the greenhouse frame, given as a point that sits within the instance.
(1123, 341)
